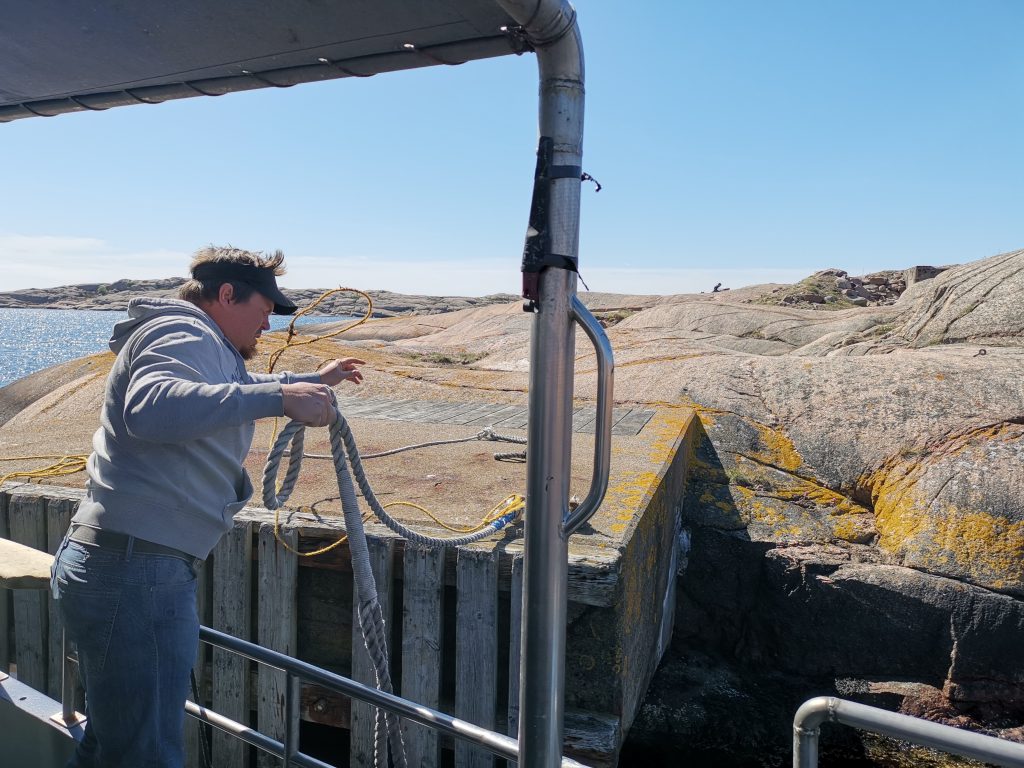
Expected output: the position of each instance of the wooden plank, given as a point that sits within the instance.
(471, 413)
(592, 738)
(476, 648)
(422, 646)
(593, 574)
(582, 417)
(381, 408)
(26, 517)
(506, 420)
(276, 601)
(232, 614)
(408, 410)
(6, 610)
(517, 422)
(632, 423)
(445, 415)
(362, 743)
(495, 416)
(358, 407)
(58, 518)
(438, 411)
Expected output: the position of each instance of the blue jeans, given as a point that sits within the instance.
(132, 617)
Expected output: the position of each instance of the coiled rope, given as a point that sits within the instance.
(371, 619)
(67, 464)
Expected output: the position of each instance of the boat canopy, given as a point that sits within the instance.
(65, 57)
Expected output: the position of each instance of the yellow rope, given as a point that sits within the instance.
(512, 503)
(290, 340)
(68, 464)
(315, 552)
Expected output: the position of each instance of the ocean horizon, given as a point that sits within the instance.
(34, 339)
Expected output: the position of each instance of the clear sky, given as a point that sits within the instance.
(738, 141)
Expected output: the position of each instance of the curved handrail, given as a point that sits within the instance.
(946, 738)
(603, 422)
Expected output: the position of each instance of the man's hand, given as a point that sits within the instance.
(312, 404)
(338, 371)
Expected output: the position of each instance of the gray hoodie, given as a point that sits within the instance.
(176, 425)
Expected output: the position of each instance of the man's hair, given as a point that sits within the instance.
(203, 291)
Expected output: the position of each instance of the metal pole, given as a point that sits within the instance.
(67, 682)
(551, 27)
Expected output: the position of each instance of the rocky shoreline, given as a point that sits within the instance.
(116, 295)
(836, 289)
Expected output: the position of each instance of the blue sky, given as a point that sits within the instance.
(737, 141)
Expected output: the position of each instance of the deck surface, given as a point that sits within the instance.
(625, 421)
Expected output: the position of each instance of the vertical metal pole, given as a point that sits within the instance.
(291, 736)
(67, 682)
(542, 664)
(552, 29)
(805, 747)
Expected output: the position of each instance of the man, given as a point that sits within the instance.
(165, 479)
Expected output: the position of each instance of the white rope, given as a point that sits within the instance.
(370, 616)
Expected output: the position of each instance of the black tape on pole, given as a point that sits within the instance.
(537, 255)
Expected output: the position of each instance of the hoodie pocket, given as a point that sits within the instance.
(236, 506)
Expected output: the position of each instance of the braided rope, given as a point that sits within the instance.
(387, 730)
(344, 433)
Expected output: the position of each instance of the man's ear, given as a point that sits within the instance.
(226, 293)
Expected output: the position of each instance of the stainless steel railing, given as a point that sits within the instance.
(294, 669)
(810, 716)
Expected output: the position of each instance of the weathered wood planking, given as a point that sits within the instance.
(476, 648)
(6, 611)
(626, 421)
(232, 614)
(632, 421)
(276, 601)
(362, 743)
(26, 518)
(422, 644)
(593, 575)
(593, 739)
(58, 519)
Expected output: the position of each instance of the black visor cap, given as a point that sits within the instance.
(260, 278)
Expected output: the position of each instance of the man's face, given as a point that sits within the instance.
(243, 322)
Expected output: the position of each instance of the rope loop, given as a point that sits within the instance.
(345, 453)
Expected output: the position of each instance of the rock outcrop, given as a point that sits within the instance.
(835, 289)
(117, 294)
(855, 509)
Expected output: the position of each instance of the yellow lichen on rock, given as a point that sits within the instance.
(968, 543)
(989, 549)
(778, 450)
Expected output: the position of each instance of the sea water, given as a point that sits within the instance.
(33, 339)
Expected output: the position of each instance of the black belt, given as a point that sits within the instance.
(83, 534)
